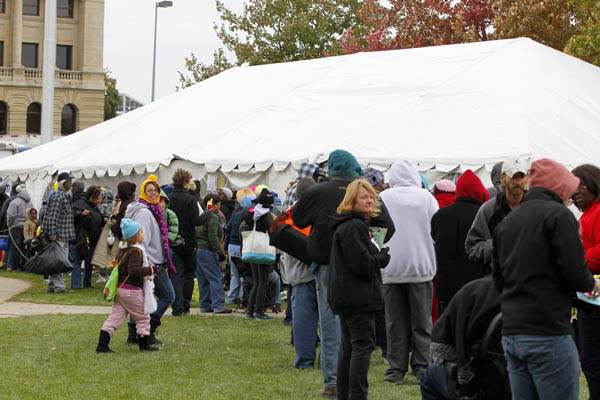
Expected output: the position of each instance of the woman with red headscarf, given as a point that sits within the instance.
(449, 228)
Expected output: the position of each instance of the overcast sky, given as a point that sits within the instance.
(128, 39)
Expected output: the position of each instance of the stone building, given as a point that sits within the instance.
(79, 92)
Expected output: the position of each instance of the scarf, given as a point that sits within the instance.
(159, 216)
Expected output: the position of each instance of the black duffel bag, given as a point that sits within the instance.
(289, 239)
(51, 260)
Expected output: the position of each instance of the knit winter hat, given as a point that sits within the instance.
(444, 185)
(151, 180)
(303, 185)
(227, 192)
(374, 176)
(549, 174)
(343, 165)
(129, 228)
(260, 188)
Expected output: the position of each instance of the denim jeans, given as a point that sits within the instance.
(330, 328)
(76, 272)
(208, 273)
(235, 284)
(183, 280)
(305, 311)
(14, 257)
(542, 367)
(588, 319)
(436, 384)
(164, 292)
(276, 281)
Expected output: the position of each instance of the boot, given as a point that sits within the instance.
(131, 336)
(103, 341)
(145, 345)
(154, 324)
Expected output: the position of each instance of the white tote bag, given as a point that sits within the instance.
(256, 248)
(150, 304)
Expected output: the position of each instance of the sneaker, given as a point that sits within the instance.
(223, 311)
(262, 317)
(397, 379)
(207, 311)
(329, 393)
(248, 315)
(63, 290)
(101, 279)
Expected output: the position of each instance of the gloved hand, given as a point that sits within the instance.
(383, 258)
(221, 257)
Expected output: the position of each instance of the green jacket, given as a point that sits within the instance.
(172, 223)
(210, 233)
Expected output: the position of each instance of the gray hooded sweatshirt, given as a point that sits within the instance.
(411, 208)
(16, 214)
(141, 214)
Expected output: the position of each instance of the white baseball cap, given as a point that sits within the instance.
(513, 166)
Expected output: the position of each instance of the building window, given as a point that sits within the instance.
(1, 53)
(29, 55)
(3, 117)
(68, 120)
(34, 118)
(2, 6)
(64, 57)
(31, 7)
(64, 8)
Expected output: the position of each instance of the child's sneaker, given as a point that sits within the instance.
(262, 317)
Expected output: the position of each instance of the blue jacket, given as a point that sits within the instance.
(232, 232)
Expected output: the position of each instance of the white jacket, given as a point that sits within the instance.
(411, 208)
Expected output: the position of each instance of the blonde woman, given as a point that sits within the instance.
(355, 286)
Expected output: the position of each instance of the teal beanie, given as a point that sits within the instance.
(343, 165)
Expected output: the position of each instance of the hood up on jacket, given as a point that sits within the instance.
(404, 173)
(470, 186)
(29, 215)
(77, 189)
(24, 196)
(307, 170)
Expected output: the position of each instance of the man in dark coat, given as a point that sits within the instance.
(314, 209)
(539, 262)
(449, 228)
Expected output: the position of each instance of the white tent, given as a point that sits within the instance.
(448, 108)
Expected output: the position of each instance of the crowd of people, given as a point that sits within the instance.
(471, 289)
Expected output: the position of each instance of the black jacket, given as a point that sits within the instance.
(87, 228)
(185, 206)
(315, 208)
(457, 336)
(449, 228)
(262, 225)
(227, 208)
(539, 264)
(355, 276)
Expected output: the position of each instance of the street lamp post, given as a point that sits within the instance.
(160, 4)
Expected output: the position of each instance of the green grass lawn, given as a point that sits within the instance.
(52, 357)
(37, 292)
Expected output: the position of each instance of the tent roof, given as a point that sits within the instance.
(468, 104)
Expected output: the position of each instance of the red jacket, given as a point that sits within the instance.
(589, 229)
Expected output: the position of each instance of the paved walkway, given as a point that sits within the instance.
(11, 287)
